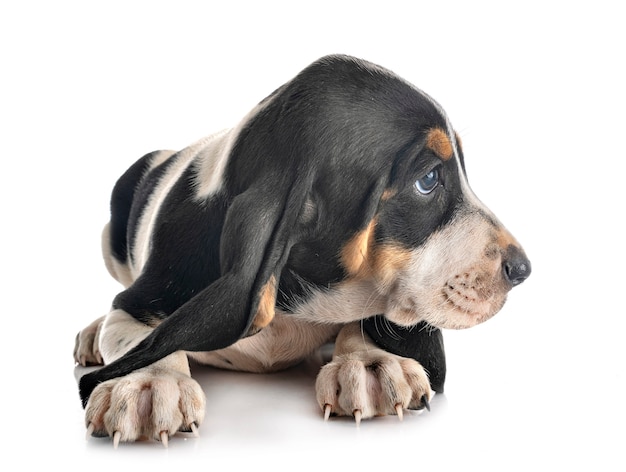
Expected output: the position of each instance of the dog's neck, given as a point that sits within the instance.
(351, 300)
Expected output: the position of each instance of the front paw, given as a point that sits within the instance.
(364, 384)
(149, 403)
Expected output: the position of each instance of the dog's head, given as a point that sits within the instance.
(435, 251)
(383, 195)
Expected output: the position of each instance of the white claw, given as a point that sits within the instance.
(116, 439)
(164, 438)
(399, 412)
(90, 430)
(327, 410)
(357, 417)
(194, 430)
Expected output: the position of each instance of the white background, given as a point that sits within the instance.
(535, 89)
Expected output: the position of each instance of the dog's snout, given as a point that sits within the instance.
(515, 265)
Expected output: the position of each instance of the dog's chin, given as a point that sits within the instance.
(461, 318)
(449, 312)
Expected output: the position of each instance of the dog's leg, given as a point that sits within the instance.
(363, 380)
(87, 348)
(153, 402)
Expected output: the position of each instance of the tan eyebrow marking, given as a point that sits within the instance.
(438, 141)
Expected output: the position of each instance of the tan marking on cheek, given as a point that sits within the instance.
(267, 305)
(388, 262)
(356, 251)
(438, 141)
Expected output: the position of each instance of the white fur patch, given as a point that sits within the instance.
(283, 343)
(119, 333)
(211, 162)
(352, 300)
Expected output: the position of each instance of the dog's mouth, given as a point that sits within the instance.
(464, 309)
(465, 300)
(471, 298)
(474, 295)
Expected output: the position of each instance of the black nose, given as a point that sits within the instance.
(516, 266)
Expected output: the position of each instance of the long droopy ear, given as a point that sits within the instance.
(259, 230)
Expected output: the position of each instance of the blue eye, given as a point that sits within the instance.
(427, 184)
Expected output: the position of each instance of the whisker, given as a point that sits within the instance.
(390, 329)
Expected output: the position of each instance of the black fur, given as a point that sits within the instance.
(422, 343)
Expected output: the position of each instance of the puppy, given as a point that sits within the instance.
(337, 210)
